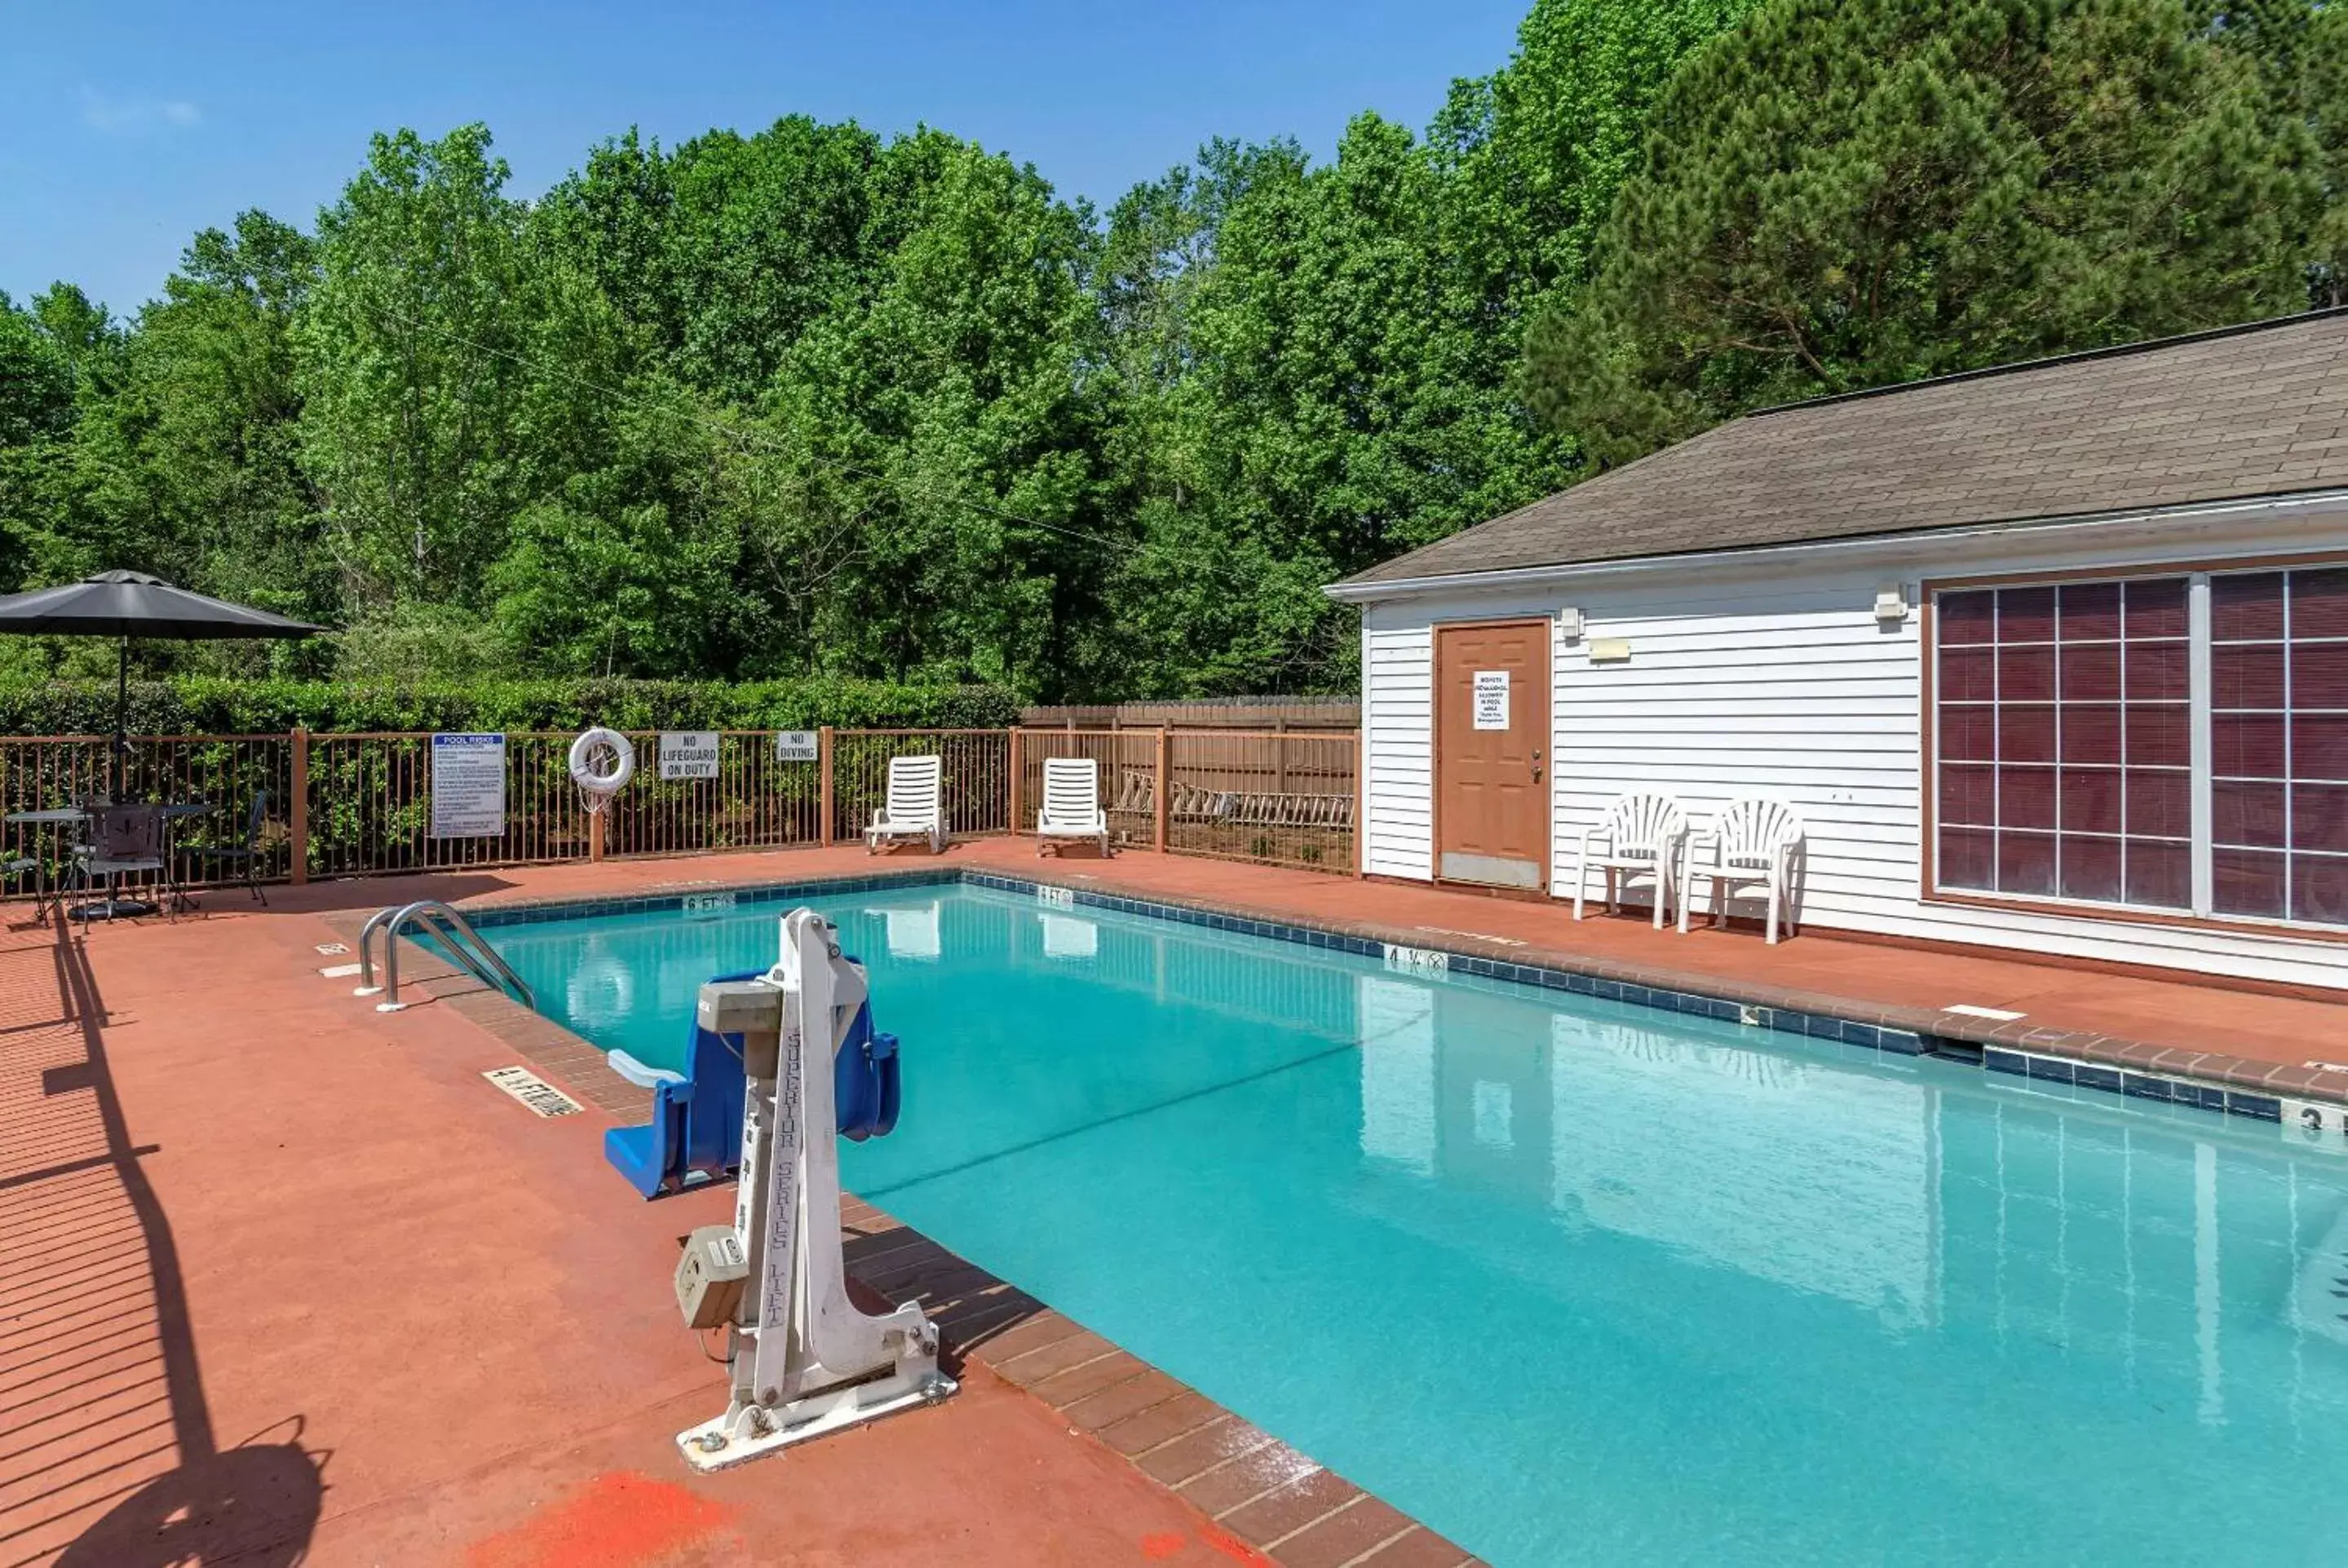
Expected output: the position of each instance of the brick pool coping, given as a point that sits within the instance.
(1274, 1500)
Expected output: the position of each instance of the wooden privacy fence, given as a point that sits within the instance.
(361, 804)
(1272, 796)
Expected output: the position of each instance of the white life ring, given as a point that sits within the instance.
(603, 786)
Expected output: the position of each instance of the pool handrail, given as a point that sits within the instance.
(463, 943)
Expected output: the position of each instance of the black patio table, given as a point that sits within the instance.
(114, 907)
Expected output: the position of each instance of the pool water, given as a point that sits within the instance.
(1574, 1281)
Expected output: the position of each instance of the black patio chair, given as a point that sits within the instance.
(245, 853)
(124, 841)
(17, 865)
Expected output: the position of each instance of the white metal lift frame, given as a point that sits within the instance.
(805, 1361)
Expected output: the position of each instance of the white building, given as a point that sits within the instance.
(2053, 657)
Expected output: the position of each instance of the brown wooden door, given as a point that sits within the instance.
(1491, 748)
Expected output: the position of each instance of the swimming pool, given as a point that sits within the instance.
(1575, 1281)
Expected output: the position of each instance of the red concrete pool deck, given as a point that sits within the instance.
(282, 1278)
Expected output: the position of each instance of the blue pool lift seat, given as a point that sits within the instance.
(695, 1131)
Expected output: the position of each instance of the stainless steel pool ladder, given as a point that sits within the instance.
(457, 938)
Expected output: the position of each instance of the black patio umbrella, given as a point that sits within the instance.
(128, 604)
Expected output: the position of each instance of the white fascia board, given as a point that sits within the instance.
(1919, 547)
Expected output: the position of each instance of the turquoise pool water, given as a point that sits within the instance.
(1577, 1281)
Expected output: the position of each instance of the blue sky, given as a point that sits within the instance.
(127, 127)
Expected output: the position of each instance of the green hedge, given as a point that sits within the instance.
(207, 705)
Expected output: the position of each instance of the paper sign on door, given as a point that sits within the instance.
(1491, 699)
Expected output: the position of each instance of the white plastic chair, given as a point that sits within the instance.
(1754, 841)
(1072, 807)
(1643, 837)
(915, 807)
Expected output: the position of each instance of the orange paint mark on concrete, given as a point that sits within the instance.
(616, 1520)
(1162, 1545)
(1232, 1547)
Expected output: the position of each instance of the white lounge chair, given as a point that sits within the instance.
(915, 808)
(1643, 835)
(1072, 807)
(1752, 842)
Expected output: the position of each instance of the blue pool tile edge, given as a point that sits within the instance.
(1881, 1039)
(712, 900)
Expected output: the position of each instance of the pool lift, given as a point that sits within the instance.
(803, 1361)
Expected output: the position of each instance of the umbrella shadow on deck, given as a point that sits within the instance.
(107, 1453)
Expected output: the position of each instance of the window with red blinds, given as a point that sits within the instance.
(2064, 747)
(2279, 744)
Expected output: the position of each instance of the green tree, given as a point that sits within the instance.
(411, 356)
(944, 437)
(2324, 71)
(814, 402)
(35, 380)
(1308, 378)
(36, 406)
(85, 337)
(200, 443)
(65, 514)
(1845, 194)
(628, 566)
(726, 251)
(2300, 50)
(1534, 153)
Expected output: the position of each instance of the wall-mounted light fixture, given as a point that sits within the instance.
(1891, 603)
(1569, 624)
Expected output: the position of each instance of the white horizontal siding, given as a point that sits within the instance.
(1782, 684)
(1399, 742)
(1796, 689)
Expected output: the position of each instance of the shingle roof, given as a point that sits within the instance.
(2260, 410)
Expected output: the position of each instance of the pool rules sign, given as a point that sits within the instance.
(1491, 690)
(469, 786)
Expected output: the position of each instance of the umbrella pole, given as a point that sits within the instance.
(121, 717)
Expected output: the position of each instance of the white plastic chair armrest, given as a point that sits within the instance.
(637, 1073)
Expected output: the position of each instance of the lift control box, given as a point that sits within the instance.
(710, 1275)
(750, 1009)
